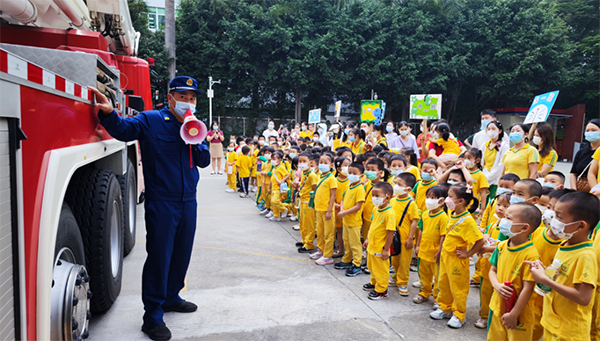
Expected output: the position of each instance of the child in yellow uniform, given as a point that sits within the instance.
(325, 195)
(244, 164)
(266, 174)
(555, 179)
(508, 265)
(308, 182)
(505, 185)
(419, 192)
(492, 237)
(351, 215)
(454, 262)
(595, 333)
(433, 226)
(254, 159)
(397, 166)
(407, 216)
(450, 147)
(412, 162)
(231, 169)
(480, 182)
(341, 168)
(280, 182)
(375, 172)
(568, 306)
(379, 241)
(356, 137)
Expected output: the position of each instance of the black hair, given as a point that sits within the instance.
(504, 196)
(560, 175)
(350, 126)
(302, 147)
(488, 112)
(547, 190)
(319, 144)
(510, 177)
(444, 129)
(278, 154)
(403, 124)
(306, 154)
(368, 155)
(387, 156)
(360, 158)
(559, 193)
(410, 153)
(358, 166)
(399, 158)
(379, 148)
(378, 128)
(409, 179)
(271, 136)
(459, 172)
(546, 133)
(213, 123)
(327, 156)
(466, 193)
(477, 154)
(317, 150)
(326, 149)
(338, 163)
(294, 148)
(239, 139)
(342, 150)
(358, 132)
(294, 163)
(245, 150)
(500, 127)
(523, 126)
(583, 206)
(438, 191)
(385, 187)
(259, 136)
(430, 161)
(533, 187)
(316, 157)
(248, 140)
(380, 167)
(381, 154)
(530, 215)
(269, 149)
(444, 185)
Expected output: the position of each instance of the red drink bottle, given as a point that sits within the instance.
(510, 302)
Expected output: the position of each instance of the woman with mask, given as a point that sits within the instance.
(406, 139)
(215, 138)
(583, 159)
(390, 134)
(522, 159)
(493, 152)
(543, 139)
(270, 131)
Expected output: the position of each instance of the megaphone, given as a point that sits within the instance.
(192, 130)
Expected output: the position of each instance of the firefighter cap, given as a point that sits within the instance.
(183, 83)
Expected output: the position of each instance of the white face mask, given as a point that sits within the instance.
(537, 140)
(274, 163)
(229, 148)
(492, 134)
(558, 228)
(261, 142)
(268, 156)
(547, 217)
(469, 163)
(345, 170)
(399, 190)
(316, 139)
(303, 166)
(377, 201)
(432, 204)
(182, 107)
(541, 208)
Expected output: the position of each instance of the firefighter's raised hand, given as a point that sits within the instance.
(102, 102)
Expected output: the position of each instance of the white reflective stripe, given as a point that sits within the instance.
(49, 79)
(84, 92)
(69, 87)
(16, 66)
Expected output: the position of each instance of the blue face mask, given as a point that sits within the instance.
(292, 155)
(515, 199)
(484, 124)
(352, 139)
(592, 136)
(346, 131)
(395, 172)
(353, 178)
(426, 176)
(371, 175)
(403, 132)
(389, 129)
(324, 168)
(549, 185)
(502, 190)
(182, 107)
(435, 135)
(516, 137)
(271, 126)
(452, 182)
(504, 226)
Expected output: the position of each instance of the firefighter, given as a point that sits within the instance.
(171, 179)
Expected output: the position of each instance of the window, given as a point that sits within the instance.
(152, 18)
(156, 18)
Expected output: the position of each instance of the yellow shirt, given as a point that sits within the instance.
(368, 205)
(517, 161)
(244, 163)
(384, 220)
(479, 182)
(231, 159)
(411, 214)
(489, 155)
(339, 195)
(353, 195)
(414, 171)
(596, 310)
(462, 234)
(308, 178)
(510, 267)
(323, 194)
(549, 159)
(279, 172)
(358, 147)
(306, 133)
(488, 217)
(561, 316)
(420, 193)
(545, 246)
(253, 159)
(596, 157)
(493, 231)
(450, 146)
(382, 141)
(433, 227)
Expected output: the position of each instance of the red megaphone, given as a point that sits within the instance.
(192, 131)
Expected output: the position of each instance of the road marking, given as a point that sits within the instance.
(219, 209)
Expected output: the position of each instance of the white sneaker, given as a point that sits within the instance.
(296, 227)
(243, 195)
(229, 190)
(481, 324)
(324, 261)
(439, 314)
(284, 214)
(456, 323)
(293, 218)
(316, 255)
(417, 284)
(436, 306)
(269, 215)
(275, 219)
(253, 190)
(265, 211)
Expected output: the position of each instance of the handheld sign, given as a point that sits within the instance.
(378, 122)
(540, 108)
(338, 109)
(368, 110)
(314, 116)
(426, 107)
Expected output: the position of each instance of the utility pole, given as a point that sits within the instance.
(210, 94)
(170, 35)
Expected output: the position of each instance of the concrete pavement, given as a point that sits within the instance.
(250, 283)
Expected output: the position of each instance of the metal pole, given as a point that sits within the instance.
(210, 83)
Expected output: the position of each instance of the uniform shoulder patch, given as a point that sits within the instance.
(167, 118)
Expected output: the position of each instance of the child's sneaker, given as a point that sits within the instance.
(439, 314)
(436, 306)
(253, 190)
(413, 265)
(481, 324)
(374, 295)
(366, 270)
(243, 195)
(392, 283)
(474, 284)
(299, 244)
(418, 299)
(293, 218)
(413, 268)
(342, 265)
(456, 323)
(369, 287)
(324, 261)
(296, 227)
(403, 291)
(284, 214)
(353, 271)
(229, 190)
(269, 215)
(316, 255)
(302, 249)
(265, 211)
(275, 219)
(417, 284)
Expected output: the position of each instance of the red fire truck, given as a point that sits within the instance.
(68, 191)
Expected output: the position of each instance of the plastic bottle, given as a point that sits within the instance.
(552, 272)
(509, 303)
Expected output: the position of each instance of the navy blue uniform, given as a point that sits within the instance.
(170, 204)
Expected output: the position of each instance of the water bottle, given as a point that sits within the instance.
(283, 187)
(509, 303)
(552, 272)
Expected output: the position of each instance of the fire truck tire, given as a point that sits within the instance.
(68, 236)
(98, 207)
(128, 189)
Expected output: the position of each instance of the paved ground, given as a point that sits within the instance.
(251, 284)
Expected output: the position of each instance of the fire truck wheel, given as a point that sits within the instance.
(128, 189)
(98, 207)
(70, 294)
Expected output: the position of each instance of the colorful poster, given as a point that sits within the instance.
(370, 111)
(338, 108)
(426, 106)
(314, 116)
(541, 107)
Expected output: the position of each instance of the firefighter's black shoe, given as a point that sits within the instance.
(182, 307)
(160, 332)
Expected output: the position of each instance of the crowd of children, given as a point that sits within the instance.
(444, 219)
